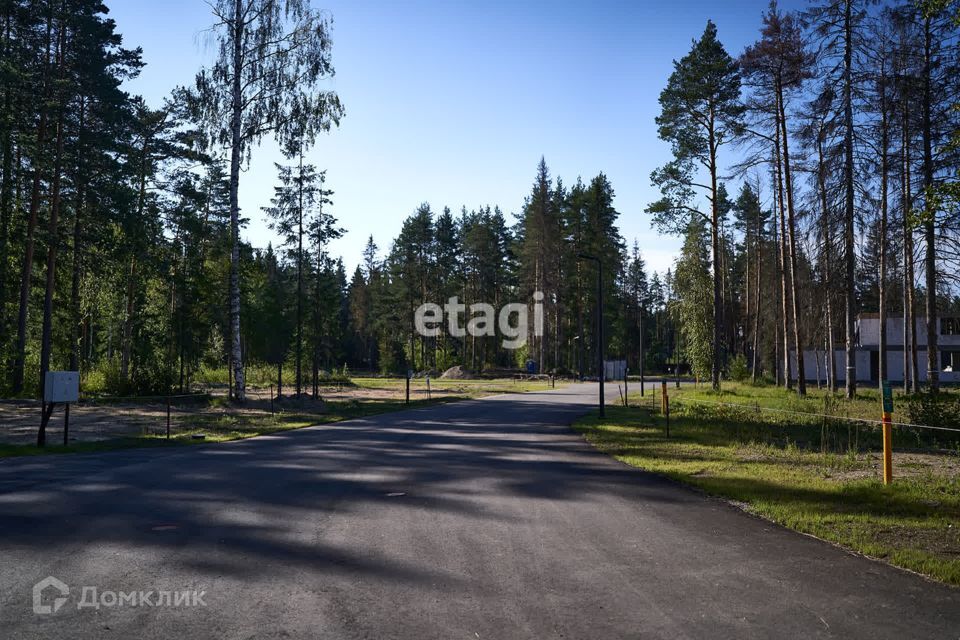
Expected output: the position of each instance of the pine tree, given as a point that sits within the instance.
(777, 65)
(700, 112)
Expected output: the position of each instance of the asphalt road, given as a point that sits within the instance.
(481, 519)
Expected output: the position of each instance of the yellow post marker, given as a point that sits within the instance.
(887, 449)
(887, 433)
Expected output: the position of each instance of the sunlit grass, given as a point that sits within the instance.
(466, 388)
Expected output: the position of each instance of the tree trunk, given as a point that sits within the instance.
(126, 342)
(792, 233)
(882, 292)
(317, 306)
(910, 364)
(717, 282)
(848, 238)
(53, 242)
(76, 316)
(26, 272)
(826, 266)
(127, 338)
(756, 313)
(782, 246)
(929, 225)
(300, 277)
(239, 386)
(748, 290)
(6, 196)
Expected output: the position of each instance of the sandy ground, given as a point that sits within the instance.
(19, 420)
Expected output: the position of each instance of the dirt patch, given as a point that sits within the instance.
(905, 465)
(457, 373)
(96, 421)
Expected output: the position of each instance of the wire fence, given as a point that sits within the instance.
(96, 418)
(202, 413)
(736, 414)
(808, 414)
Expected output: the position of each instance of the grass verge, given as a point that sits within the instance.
(915, 523)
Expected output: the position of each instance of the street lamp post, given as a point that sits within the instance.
(600, 371)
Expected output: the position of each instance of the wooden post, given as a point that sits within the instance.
(668, 416)
(168, 416)
(408, 389)
(66, 422)
(665, 404)
(626, 392)
(887, 449)
(887, 433)
(271, 399)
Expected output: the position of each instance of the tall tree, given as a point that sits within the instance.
(700, 112)
(295, 205)
(271, 58)
(838, 24)
(539, 245)
(778, 64)
(693, 304)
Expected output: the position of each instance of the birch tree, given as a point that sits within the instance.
(271, 58)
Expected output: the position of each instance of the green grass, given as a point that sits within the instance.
(915, 523)
(866, 404)
(464, 388)
(765, 409)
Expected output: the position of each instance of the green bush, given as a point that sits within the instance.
(739, 370)
(935, 409)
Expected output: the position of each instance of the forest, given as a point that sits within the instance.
(813, 179)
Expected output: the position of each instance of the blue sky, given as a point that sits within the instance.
(453, 103)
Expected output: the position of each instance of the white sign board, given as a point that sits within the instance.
(61, 386)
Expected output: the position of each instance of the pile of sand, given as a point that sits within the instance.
(456, 373)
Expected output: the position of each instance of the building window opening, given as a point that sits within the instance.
(949, 326)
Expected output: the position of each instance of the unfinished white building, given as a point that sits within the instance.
(868, 352)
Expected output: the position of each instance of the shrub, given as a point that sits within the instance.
(935, 409)
(739, 370)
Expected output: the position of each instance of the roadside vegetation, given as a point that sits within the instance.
(820, 477)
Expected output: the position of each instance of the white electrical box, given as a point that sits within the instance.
(61, 386)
